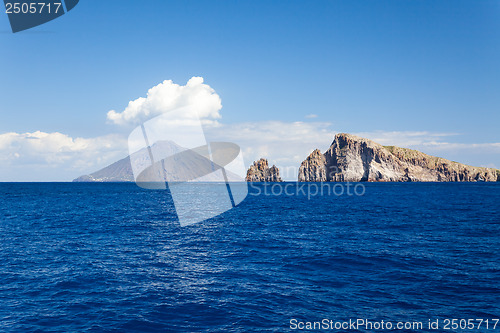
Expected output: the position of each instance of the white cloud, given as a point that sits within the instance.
(426, 141)
(437, 144)
(310, 116)
(168, 96)
(404, 138)
(492, 147)
(57, 156)
(57, 151)
(285, 144)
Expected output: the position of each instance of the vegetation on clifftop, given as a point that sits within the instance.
(410, 155)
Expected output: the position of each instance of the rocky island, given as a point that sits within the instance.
(352, 158)
(349, 159)
(261, 172)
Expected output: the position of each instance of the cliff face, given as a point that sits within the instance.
(351, 158)
(313, 169)
(261, 172)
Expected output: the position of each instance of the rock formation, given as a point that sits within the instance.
(261, 172)
(351, 158)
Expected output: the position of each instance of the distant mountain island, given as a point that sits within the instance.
(121, 171)
(188, 166)
(349, 159)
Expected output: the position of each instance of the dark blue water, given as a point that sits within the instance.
(112, 257)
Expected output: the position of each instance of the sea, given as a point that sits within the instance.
(112, 257)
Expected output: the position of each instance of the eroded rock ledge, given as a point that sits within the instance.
(261, 172)
(351, 158)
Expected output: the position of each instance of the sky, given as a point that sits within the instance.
(287, 75)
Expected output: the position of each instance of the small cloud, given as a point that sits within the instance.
(312, 115)
(405, 139)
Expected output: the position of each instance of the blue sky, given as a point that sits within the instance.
(387, 69)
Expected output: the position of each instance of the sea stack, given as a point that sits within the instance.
(261, 172)
(352, 159)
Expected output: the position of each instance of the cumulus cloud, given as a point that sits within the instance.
(310, 116)
(57, 156)
(168, 96)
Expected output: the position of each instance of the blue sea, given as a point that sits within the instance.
(78, 257)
